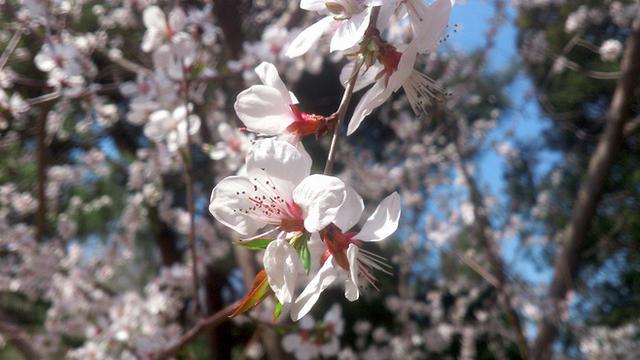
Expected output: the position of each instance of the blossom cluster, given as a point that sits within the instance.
(303, 221)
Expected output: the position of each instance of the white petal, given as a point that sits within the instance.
(157, 129)
(262, 110)
(320, 198)
(278, 162)
(312, 5)
(282, 264)
(153, 18)
(334, 315)
(309, 37)
(383, 222)
(429, 22)
(373, 98)
(268, 74)
(350, 211)
(388, 9)
(226, 205)
(316, 250)
(327, 274)
(177, 19)
(365, 77)
(291, 342)
(405, 67)
(351, 291)
(44, 61)
(350, 32)
(225, 131)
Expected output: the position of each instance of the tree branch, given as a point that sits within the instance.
(591, 190)
(492, 249)
(209, 322)
(188, 164)
(41, 153)
(20, 340)
(346, 99)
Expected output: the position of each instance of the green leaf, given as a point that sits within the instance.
(305, 256)
(277, 311)
(255, 244)
(299, 242)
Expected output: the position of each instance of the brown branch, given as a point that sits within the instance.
(483, 229)
(591, 191)
(342, 111)
(632, 127)
(188, 164)
(41, 153)
(346, 99)
(202, 325)
(20, 339)
(230, 19)
(13, 43)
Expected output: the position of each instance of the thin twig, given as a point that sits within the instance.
(342, 110)
(483, 228)
(188, 164)
(346, 99)
(13, 43)
(479, 270)
(41, 214)
(209, 322)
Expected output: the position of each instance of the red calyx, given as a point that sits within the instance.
(308, 124)
(337, 244)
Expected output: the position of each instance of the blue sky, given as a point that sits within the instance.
(524, 119)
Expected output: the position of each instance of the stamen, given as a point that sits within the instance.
(421, 92)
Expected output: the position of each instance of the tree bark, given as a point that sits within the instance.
(228, 16)
(591, 191)
(41, 149)
(220, 339)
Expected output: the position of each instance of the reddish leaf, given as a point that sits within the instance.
(259, 291)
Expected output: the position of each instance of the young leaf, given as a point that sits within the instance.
(277, 311)
(255, 244)
(300, 244)
(259, 291)
(305, 256)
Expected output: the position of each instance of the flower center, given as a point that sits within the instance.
(389, 57)
(268, 206)
(337, 244)
(308, 124)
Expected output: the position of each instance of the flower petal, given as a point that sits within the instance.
(351, 291)
(327, 274)
(153, 18)
(158, 125)
(365, 77)
(278, 162)
(312, 5)
(268, 74)
(262, 110)
(309, 37)
(405, 67)
(373, 98)
(350, 211)
(383, 222)
(177, 19)
(320, 198)
(429, 22)
(226, 205)
(282, 264)
(350, 31)
(316, 249)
